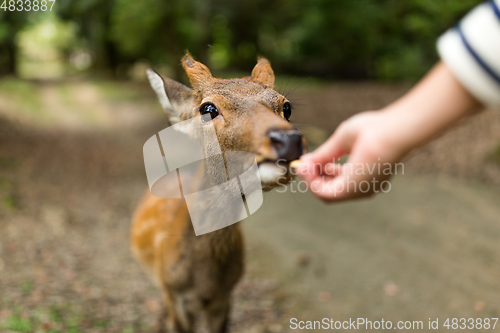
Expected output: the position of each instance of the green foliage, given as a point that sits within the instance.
(494, 156)
(17, 324)
(66, 318)
(386, 39)
(7, 200)
(27, 287)
(20, 93)
(134, 24)
(370, 38)
(10, 24)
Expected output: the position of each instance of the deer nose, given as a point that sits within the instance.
(288, 144)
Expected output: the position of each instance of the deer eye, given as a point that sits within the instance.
(287, 110)
(209, 108)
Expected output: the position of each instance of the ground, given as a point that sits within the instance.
(71, 173)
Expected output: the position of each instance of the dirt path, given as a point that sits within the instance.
(429, 248)
(69, 184)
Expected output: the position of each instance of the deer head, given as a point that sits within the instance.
(247, 114)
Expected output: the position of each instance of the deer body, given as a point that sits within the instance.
(197, 274)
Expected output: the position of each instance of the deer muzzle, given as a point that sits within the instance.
(287, 144)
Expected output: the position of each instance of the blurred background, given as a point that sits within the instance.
(75, 110)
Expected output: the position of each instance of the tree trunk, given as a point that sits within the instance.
(11, 50)
(8, 49)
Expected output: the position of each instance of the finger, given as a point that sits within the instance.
(310, 171)
(331, 169)
(338, 145)
(328, 189)
(308, 166)
(342, 188)
(357, 175)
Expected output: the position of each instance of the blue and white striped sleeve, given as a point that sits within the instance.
(472, 51)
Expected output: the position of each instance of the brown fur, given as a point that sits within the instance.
(197, 273)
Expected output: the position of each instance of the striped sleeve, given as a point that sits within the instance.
(471, 50)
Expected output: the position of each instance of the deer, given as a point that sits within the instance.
(197, 274)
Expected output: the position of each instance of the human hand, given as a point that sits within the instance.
(374, 144)
(377, 140)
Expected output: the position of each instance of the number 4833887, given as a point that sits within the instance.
(27, 5)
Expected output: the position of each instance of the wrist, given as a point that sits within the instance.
(400, 130)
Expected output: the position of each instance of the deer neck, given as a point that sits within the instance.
(224, 240)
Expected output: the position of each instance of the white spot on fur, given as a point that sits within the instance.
(270, 172)
(159, 238)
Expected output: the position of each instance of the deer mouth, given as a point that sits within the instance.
(274, 173)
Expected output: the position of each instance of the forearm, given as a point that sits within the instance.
(434, 104)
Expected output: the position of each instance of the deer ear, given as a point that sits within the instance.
(263, 73)
(198, 74)
(175, 98)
